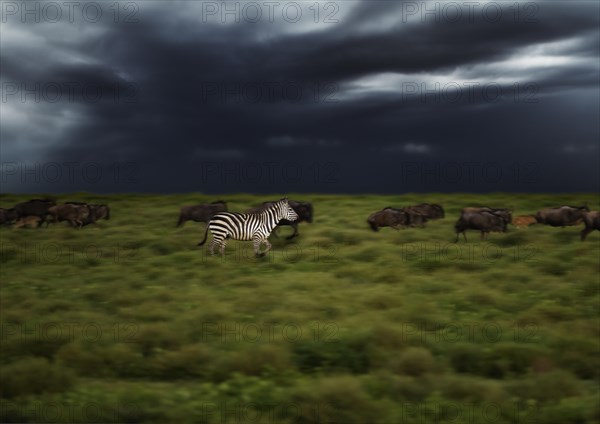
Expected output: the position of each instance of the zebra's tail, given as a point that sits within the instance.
(205, 236)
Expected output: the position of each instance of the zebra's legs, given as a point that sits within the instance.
(257, 241)
(266, 242)
(217, 243)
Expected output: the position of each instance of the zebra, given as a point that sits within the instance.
(248, 226)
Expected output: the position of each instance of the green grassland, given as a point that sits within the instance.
(129, 321)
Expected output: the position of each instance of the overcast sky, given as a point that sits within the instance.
(288, 97)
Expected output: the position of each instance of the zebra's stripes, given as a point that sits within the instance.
(247, 226)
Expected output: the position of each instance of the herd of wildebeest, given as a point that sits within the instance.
(486, 219)
(36, 212)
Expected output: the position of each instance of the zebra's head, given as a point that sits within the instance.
(285, 210)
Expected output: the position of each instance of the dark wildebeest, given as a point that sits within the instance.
(388, 217)
(8, 216)
(201, 213)
(34, 207)
(504, 213)
(429, 211)
(414, 215)
(562, 216)
(592, 222)
(483, 221)
(100, 211)
(304, 210)
(96, 211)
(76, 214)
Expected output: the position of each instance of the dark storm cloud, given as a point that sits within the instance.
(386, 100)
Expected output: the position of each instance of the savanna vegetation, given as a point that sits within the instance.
(128, 321)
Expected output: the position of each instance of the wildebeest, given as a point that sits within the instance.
(28, 221)
(34, 207)
(429, 211)
(100, 211)
(96, 211)
(415, 216)
(523, 221)
(562, 216)
(592, 222)
(388, 217)
(304, 210)
(483, 221)
(201, 213)
(504, 213)
(75, 214)
(7, 216)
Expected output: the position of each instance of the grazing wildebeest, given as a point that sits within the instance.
(34, 207)
(562, 216)
(28, 221)
(483, 221)
(248, 226)
(523, 221)
(388, 217)
(592, 222)
(7, 216)
(76, 214)
(201, 213)
(304, 210)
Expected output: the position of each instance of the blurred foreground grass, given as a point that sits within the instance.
(129, 321)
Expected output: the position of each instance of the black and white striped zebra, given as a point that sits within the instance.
(248, 226)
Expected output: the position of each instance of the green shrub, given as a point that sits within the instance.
(252, 360)
(350, 354)
(336, 399)
(546, 387)
(32, 375)
(413, 361)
